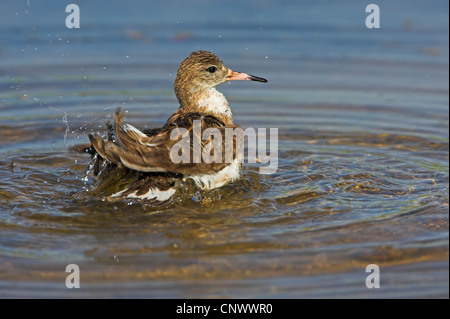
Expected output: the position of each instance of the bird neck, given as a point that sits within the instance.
(206, 100)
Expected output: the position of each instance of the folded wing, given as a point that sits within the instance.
(150, 151)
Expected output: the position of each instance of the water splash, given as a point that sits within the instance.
(64, 119)
(88, 171)
(67, 126)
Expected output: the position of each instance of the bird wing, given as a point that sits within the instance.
(140, 152)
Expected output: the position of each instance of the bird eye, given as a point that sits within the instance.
(211, 69)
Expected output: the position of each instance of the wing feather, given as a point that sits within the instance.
(144, 153)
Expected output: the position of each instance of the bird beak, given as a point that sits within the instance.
(243, 76)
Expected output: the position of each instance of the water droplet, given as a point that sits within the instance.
(197, 197)
(127, 56)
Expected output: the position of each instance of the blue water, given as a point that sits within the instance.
(363, 149)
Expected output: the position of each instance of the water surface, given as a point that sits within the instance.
(363, 171)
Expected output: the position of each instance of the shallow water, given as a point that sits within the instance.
(363, 151)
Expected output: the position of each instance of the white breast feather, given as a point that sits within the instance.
(226, 175)
(214, 101)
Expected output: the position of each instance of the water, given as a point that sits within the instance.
(363, 150)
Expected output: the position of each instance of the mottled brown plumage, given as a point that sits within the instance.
(193, 80)
(147, 152)
(135, 153)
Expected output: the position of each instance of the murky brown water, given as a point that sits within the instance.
(363, 165)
